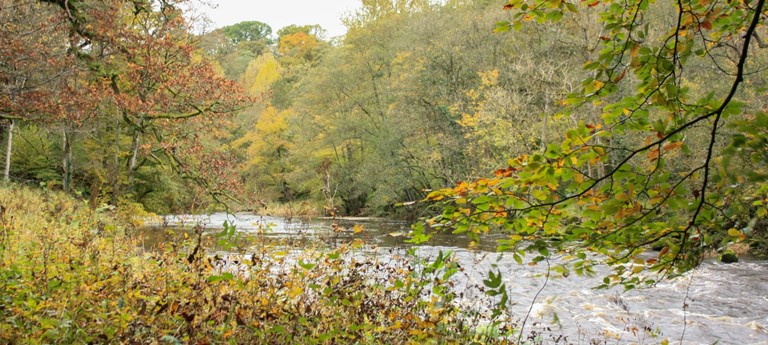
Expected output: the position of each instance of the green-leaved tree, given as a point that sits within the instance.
(675, 157)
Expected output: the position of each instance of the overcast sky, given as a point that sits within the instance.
(281, 13)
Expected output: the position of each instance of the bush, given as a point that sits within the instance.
(70, 274)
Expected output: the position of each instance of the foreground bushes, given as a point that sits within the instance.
(69, 274)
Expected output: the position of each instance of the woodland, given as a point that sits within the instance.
(597, 130)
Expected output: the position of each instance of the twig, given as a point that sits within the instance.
(685, 307)
(535, 297)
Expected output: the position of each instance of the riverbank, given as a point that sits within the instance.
(70, 274)
(559, 307)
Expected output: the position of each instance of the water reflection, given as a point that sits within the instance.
(331, 232)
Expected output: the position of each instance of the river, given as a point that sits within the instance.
(713, 304)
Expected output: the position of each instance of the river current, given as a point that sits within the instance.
(713, 304)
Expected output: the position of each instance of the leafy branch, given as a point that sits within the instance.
(621, 210)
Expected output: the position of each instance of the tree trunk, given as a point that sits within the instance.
(8, 150)
(116, 168)
(67, 160)
(133, 162)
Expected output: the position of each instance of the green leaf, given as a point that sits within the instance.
(484, 199)
(517, 258)
(226, 276)
(306, 265)
(502, 27)
(493, 281)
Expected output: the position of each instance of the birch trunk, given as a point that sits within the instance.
(8, 150)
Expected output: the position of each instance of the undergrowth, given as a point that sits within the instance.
(70, 274)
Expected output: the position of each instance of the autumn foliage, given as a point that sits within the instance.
(130, 75)
(74, 275)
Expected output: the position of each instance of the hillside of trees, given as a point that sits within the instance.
(417, 96)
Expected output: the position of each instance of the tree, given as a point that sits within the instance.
(167, 93)
(261, 73)
(374, 10)
(236, 45)
(114, 69)
(33, 61)
(656, 149)
(267, 145)
(248, 31)
(298, 45)
(312, 30)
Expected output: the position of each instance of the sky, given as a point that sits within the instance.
(281, 13)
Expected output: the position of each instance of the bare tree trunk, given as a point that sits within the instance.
(116, 168)
(8, 150)
(67, 160)
(133, 162)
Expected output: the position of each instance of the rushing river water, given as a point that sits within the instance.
(726, 304)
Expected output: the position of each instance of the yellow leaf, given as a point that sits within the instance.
(435, 196)
(599, 150)
(598, 84)
(357, 228)
(295, 292)
(733, 232)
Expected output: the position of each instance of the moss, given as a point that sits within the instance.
(729, 257)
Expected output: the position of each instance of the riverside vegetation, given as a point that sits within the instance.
(70, 274)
